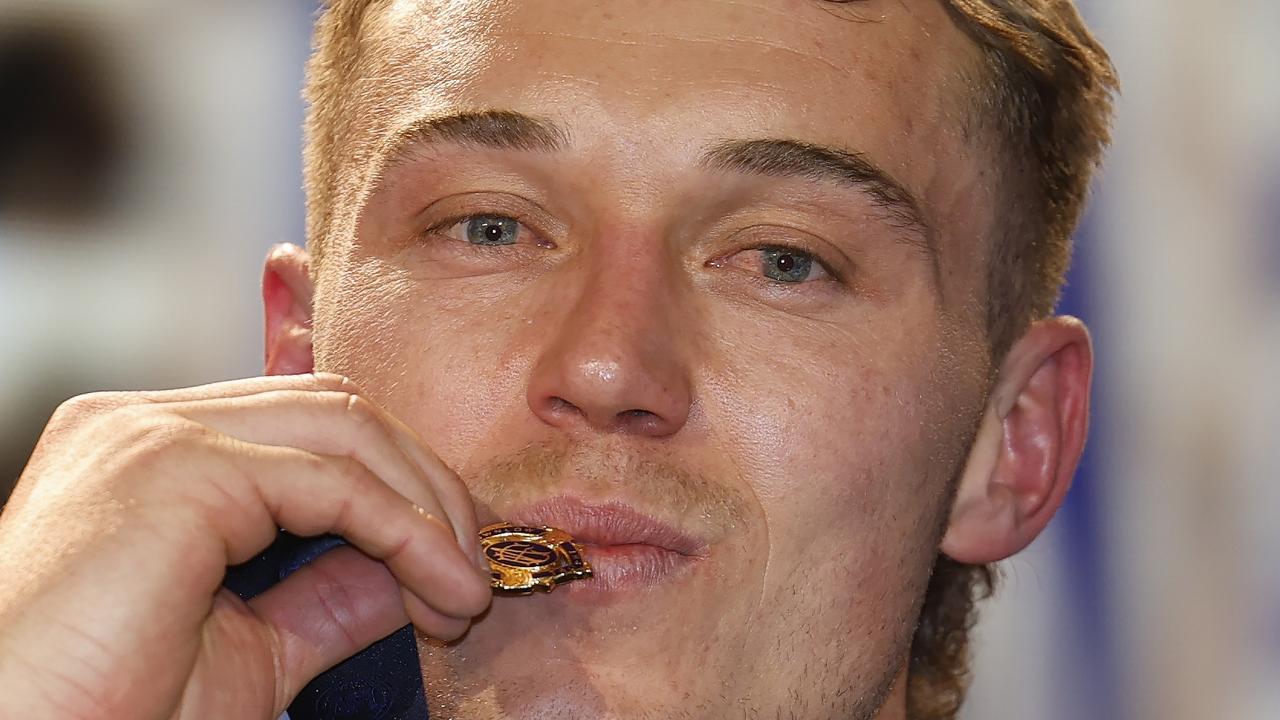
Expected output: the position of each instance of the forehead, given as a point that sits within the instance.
(816, 69)
(643, 84)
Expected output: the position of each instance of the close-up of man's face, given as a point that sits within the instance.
(704, 284)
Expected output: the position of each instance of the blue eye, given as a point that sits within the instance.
(498, 234)
(778, 264)
(785, 264)
(491, 230)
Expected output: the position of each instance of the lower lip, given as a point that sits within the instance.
(617, 569)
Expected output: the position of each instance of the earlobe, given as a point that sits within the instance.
(286, 298)
(1027, 447)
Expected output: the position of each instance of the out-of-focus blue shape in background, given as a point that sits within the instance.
(1156, 594)
(134, 263)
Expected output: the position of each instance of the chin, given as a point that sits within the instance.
(559, 656)
(553, 688)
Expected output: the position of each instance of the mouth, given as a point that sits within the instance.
(629, 550)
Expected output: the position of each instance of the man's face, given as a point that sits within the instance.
(713, 306)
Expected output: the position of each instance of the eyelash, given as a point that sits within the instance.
(813, 256)
(440, 228)
(835, 276)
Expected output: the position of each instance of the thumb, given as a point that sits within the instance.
(327, 611)
(257, 657)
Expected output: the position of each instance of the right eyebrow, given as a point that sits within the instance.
(498, 129)
(791, 158)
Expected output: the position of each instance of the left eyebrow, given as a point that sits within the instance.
(497, 129)
(795, 159)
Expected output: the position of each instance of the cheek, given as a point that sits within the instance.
(838, 433)
(445, 366)
(830, 414)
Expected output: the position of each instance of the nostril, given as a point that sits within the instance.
(559, 405)
(644, 421)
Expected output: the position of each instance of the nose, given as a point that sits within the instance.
(616, 362)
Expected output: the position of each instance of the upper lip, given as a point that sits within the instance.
(611, 522)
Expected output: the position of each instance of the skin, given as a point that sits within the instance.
(826, 438)
(835, 415)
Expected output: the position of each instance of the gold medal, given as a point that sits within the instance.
(526, 558)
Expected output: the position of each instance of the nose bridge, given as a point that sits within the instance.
(615, 361)
(626, 295)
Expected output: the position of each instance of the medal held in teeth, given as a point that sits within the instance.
(525, 558)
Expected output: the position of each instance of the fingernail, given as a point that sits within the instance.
(482, 565)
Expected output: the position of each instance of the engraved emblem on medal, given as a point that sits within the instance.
(525, 558)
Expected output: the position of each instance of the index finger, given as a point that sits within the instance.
(242, 387)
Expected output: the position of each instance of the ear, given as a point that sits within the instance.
(1028, 445)
(286, 299)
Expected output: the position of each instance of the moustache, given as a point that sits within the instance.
(602, 472)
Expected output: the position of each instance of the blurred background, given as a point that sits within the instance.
(149, 155)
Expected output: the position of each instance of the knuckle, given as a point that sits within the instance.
(342, 472)
(151, 437)
(90, 405)
(339, 607)
(351, 470)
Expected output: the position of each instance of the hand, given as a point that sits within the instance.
(115, 542)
